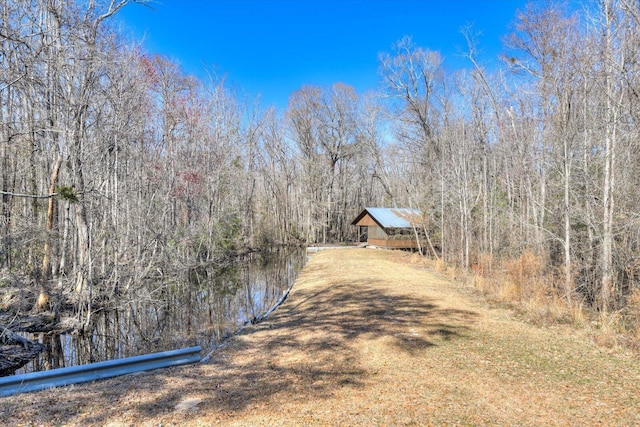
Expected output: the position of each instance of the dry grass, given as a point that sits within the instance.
(369, 338)
(524, 284)
(632, 314)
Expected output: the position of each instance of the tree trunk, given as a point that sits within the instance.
(46, 259)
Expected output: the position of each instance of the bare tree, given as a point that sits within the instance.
(325, 127)
(414, 84)
(548, 39)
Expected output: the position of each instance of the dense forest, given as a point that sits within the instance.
(117, 167)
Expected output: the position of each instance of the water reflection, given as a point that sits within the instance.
(202, 308)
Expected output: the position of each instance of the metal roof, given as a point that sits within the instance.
(393, 217)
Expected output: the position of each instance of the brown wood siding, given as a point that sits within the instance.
(396, 244)
(366, 220)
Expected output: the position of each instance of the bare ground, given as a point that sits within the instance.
(368, 338)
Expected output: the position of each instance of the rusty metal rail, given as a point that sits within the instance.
(94, 371)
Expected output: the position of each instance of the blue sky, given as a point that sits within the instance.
(273, 47)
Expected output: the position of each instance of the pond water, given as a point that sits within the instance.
(202, 308)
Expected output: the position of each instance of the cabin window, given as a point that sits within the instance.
(377, 233)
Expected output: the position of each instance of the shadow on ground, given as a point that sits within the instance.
(311, 346)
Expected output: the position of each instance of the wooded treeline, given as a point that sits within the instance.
(117, 167)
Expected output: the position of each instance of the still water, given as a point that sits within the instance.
(202, 308)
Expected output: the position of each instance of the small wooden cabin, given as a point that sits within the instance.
(390, 227)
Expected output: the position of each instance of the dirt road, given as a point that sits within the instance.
(366, 338)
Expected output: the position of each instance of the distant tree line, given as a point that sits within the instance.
(117, 167)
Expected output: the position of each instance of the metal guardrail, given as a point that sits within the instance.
(94, 371)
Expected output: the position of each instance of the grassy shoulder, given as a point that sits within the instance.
(369, 338)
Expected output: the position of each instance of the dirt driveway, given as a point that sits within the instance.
(365, 338)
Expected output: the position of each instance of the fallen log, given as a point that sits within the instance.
(44, 322)
(41, 323)
(16, 351)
